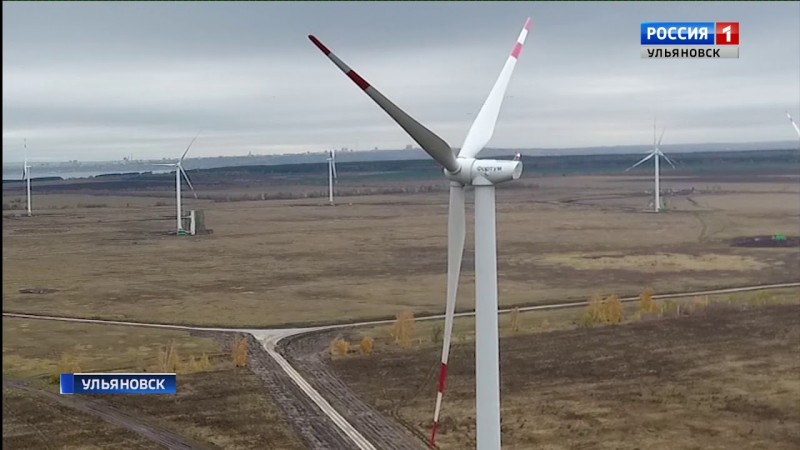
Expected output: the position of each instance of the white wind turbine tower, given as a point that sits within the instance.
(331, 174)
(26, 175)
(796, 129)
(178, 172)
(464, 170)
(655, 153)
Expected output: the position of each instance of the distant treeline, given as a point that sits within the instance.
(368, 173)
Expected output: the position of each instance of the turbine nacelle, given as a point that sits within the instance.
(480, 171)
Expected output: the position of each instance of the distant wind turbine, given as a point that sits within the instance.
(331, 174)
(178, 172)
(655, 153)
(26, 175)
(796, 129)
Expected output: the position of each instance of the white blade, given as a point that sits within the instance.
(661, 137)
(456, 233)
(187, 149)
(427, 139)
(170, 164)
(186, 176)
(333, 164)
(483, 127)
(666, 158)
(793, 124)
(641, 161)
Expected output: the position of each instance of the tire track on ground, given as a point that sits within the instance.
(113, 416)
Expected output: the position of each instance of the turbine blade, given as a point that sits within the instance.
(333, 165)
(641, 161)
(666, 158)
(456, 233)
(793, 124)
(661, 137)
(185, 175)
(187, 149)
(428, 140)
(483, 127)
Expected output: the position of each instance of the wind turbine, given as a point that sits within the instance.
(331, 174)
(655, 153)
(793, 124)
(26, 175)
(178, 171)
(464, 170)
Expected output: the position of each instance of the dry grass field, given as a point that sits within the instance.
(217, 406)
(720, 375)
(300, 261)
(281, 262)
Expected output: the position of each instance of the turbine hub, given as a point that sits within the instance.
(479, 171)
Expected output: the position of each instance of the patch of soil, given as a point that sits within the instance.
(765, 242)
(37, 291)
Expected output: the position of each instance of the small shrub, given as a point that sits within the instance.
(366, 345)
(646, 302)
(160, 204)
(403, 329)
(239, 351)
(545, 324)
(199, 364)
(596, 310)
(603, 310)
(613, 309)
(339, 347)
(92, 205)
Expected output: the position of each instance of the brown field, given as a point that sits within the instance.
(723, 376)
(216, 407)
(298, 261)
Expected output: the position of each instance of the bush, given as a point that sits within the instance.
(603, 310)
(545, 324)
(366, 345)
(403, 329)
(613, 309)
(239, 351)
(339, 347)
(646, 302)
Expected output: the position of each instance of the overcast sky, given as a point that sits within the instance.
(99, 81)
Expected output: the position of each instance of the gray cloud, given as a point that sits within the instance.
(102, 80)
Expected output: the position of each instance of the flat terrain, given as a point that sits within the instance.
(218, 406)
(300, 261)
(722, 377)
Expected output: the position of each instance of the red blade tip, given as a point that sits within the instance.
(319, 44)
(527, 23)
